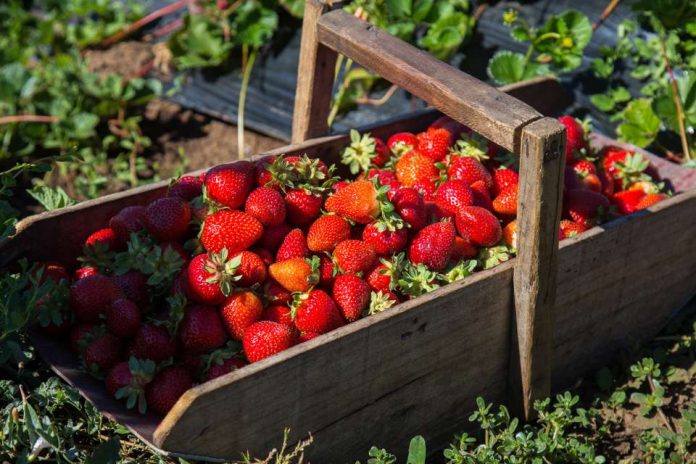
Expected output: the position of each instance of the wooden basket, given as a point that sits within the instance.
(417, 368)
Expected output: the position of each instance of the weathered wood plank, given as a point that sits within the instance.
(538, 214)
(486, 110)
(315, 77)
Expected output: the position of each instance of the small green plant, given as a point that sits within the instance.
(555, 47)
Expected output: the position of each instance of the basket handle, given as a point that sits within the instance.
(501, 118)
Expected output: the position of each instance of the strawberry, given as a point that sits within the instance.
(84, 271)
(166, 388)
(575, 138)
(230, 184)
(278, 313)
(607, 182)
(434, 143)
(478, 225)
(354, 256)
(302, 207)
(80, 335)
(239, 311)
(357, 202)
(570, 229)
(210, 277)
(626, 201)
(352, 296)
(168, 218)
(273, 236)
(294, 246)
(584, 167)
(186, 188)
(327, 271)
(295, 274)
(432, 245)
(462, 248)
(427, 189)
(127, 380)
(266, 205)
(234, 230)
(251, 270)
(505, 204)
(316, 312)
(264, 255)
(153, 342)
(225, 367)
(273, 172)
(123, 318)
(482, 196)
(307, 336)
(402, 142)
(384, 176)
(380, 278)
(469, 170)
(585, 206)
(410, 206)
(503, 177)
(133, 285)
(510, 234)
(413, 167)
(103, 352)
(129, 220)
(364, 152)
(276, 293)
(456, 129)
(107, 238)
(201, 329)
(326, 232)
(650, 199)
(626, 167)
(50, 270)
(452, 195)
(385, 242)
(265, 338)
(90, 296)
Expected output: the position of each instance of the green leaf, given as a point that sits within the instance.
(107, 452)
(507, 67)
(416, 451)
(520, 34)
(421, 9)
(665, 108)
(640, 124)
(602, 102)
(294, 7)
(445, 37)
(51, 198)
(399, 8)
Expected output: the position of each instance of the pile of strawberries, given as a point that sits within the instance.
(250, 259)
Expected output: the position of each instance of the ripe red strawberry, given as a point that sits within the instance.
(570, 229)
(354, 256)
(233, 230)
(478, 225)
(455, 128)
(201, 329)
(266, 256)
(327, 271)
(168, 218)
(89, 297)
(326, 232)
(80, 335)
(482, 196)
(265, 338)
(123, 318)
(384, 176)
(252, 269)
(240, 310)
(402, 142)
(510, 234)
(585, 167)
(462, 248)
(452, 195)
(506, 203)
(432, 245)
(272, 172)
(107, 238)
(585, 206)
(503, 177)
(186, 187)
(413, 167)
(626, 167)
(278, 313)
(469, 170)
(103, 352)
(129, 220)
(650, 199)
(230, 184)
(153, 342)
(133, 285)
(426, 188)
(205, 275)
(84, 271)
(295, 274)
(227, 366)
(410, 206)
(166, 388)
(302, 207)
(273, 237)
(435, 143)
(626, 201)
(316, 312)
(357, 202)
(266, 205)
(352, 296)
(380, 277)
(127, 380)
(575, 137)
(276, 294)
(294, 246)
(307, 336)
(385, 242)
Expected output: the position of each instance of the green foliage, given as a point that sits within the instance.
(555, 47)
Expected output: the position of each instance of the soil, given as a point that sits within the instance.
(129, 59)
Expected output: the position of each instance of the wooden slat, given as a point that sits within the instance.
(486, 110)
(315, 77)
(538, 214)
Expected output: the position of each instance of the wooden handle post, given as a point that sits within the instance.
(499, 117)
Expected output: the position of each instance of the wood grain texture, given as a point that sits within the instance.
(538, 215)
(315, 78)
(486, 110)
